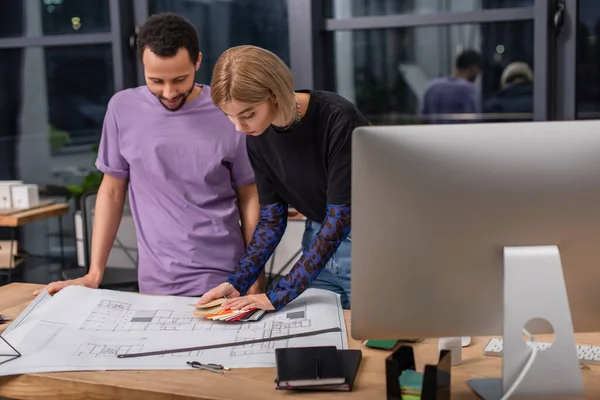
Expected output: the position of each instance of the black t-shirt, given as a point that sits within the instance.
(309, 165)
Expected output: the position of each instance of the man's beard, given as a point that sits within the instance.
(183, 99)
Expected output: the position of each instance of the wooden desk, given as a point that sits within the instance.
(35, 214)
(15, 220)
(244, 383)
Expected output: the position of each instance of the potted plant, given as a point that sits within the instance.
(90, 182)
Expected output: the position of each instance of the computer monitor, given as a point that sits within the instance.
(468, 229)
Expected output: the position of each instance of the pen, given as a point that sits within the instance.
(196, 364)
(217, 366)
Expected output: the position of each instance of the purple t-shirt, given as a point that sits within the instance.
(450, 96)
(183, 168)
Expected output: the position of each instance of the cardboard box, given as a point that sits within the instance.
(25, 196)
(6, 193)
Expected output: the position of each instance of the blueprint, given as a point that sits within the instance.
(36, 303)
(85, 329)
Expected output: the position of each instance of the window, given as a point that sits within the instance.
(11, 69)
(223, 24)
(12, 18)
(53, 107)
(368, 8)
(588, 60)
(55, 104)
(53, 17)
(79, 82)
(387, 71)
(75, 16)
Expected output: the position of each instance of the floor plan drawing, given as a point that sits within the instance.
(117, 316)
(282, 324)
(95, 350)
(83, 329)
(99, 350)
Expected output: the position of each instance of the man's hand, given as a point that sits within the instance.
(260, 301)
(223, 290)
(86, 280)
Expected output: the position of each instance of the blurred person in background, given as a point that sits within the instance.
(515, 95)
(456, 94)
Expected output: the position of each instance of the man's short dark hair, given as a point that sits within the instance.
(469, 58)
(164, 34)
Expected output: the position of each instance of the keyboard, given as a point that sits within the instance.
(586, 354)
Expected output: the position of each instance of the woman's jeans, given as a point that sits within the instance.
(336, 274)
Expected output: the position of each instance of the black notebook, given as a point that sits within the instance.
(316, 368)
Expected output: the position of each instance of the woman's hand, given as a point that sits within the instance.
(260, 301)
(223, 290)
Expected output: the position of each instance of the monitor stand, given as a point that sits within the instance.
(534, 287)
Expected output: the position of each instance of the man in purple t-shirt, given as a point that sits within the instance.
(190, 182)
(446, 98)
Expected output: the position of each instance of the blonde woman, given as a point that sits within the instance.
(299, 147)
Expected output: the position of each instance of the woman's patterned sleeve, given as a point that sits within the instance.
(267, 235)
(334, 230)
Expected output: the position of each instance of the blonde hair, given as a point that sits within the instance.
(514, 71)
(251, 74)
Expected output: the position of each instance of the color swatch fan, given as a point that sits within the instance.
(214, 311)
